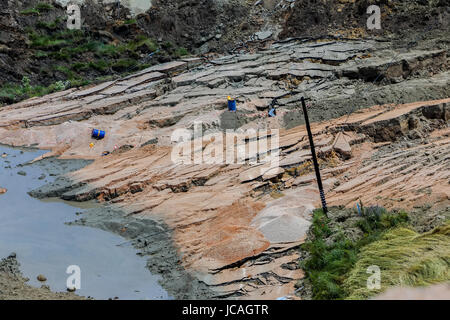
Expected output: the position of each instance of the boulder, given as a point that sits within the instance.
(341, 146)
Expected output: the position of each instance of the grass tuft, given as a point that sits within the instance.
(405, 258)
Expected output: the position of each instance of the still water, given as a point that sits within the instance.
(44, 244)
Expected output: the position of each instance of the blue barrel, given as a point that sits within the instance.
(98, 134)
(231, 104)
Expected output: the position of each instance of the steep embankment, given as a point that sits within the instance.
(399, 19)
(38, 55)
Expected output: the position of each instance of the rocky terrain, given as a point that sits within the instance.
(236, 227)
(436, 292)
(38, 55)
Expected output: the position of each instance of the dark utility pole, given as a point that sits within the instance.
(313, 152)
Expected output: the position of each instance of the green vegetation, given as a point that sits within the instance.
(41, 54)
(99, 65)
(330, 262)
(13, 92)
(327, 264)
(79, 66)
(142, 41)
(38, 9)
(405, 258)
(122, 65)
(30, 11)
(46, 42)
(167, 45)
(180, 52)
(42, 6)
(63, 69)
(130, 21)
(173, 50)
(56, 40)
(69, 44)
(107, 50)
(53, 25)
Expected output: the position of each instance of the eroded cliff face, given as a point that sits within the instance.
(126, 36)
(39, 55)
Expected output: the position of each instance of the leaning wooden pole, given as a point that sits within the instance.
(314, 157)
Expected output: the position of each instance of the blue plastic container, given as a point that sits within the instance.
(231, 104)
(98, 134)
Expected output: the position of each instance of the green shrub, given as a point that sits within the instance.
(13, 93)
(49, 25)
(40, 7)
(57, 86)
(167, 45)
(124, 64)
(41, 54)
(140, 41)
(26, 84)
(108, 50)
(63, 69)
(77, 82)
(75, 35)
(46, 42)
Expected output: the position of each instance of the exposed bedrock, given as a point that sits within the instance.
(236, 226)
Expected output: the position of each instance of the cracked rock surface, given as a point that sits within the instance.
(236, 225)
